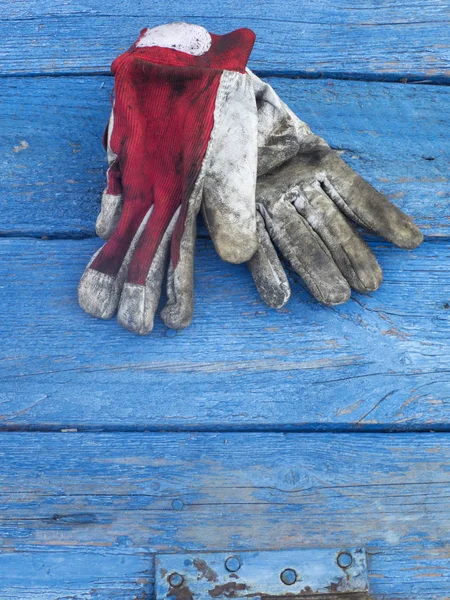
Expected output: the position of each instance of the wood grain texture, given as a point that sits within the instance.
(112, 505)
(63, 572)
(53, 164)
(390, 40)
(377, 362)
(82, 514)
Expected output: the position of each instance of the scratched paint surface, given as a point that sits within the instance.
(260, 574)
(228, 436)
(71, 500)
(387, 40)
(379, 361)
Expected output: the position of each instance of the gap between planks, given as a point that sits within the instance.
(435, 80)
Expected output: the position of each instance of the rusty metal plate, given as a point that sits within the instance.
(306, 572)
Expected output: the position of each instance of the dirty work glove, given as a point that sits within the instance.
(305, 208)
(183, 127)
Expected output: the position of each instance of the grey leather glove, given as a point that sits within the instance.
(305, 208)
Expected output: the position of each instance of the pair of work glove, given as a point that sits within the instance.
(192, 128)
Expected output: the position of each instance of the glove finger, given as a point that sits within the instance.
(229, 189)
(306, 253)
(111, 207)
(109, 216)
(138, 302)
(267, 271)
(99, 293)
(351, 254)
(179, 309)
(361, 203)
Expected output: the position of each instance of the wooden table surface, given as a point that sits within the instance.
(305, 427)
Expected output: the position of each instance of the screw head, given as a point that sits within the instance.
(288, 576)
(344, 560)
(232, 564)
(175, 579)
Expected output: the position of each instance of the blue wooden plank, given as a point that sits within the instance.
(350, 11)
(64, 573)
(81, 512)
(380, 361)
(389, 40)
(53, 163)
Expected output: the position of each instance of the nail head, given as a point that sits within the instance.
(288, 576)
(344, 560)
(232, 564)
(175, 579)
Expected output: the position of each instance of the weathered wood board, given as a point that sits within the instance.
(53, 163)
(118, 498)
(385, 40)
(378, 361)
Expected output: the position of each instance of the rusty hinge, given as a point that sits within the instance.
(316, 573)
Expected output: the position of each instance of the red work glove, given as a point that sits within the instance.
(183, 127)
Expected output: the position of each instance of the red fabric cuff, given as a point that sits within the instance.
(227, 52)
